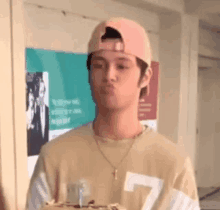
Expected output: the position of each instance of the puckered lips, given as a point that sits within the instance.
(108, 89)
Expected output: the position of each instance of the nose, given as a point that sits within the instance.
(110, 74)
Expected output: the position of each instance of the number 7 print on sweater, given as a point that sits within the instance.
(133, 179)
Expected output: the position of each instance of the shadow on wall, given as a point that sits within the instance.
(2, 200)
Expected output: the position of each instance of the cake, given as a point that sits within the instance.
(69, 206)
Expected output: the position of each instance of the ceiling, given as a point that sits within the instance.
(207, 10)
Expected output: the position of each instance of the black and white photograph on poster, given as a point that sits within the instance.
(37, 111)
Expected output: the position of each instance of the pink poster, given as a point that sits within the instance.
(148, 104)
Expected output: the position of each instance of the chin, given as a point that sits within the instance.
(114, 106)
(107, 104)
(112, 102)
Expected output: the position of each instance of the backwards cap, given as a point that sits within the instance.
(135, 40)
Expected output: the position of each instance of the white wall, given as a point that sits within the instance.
(209, 43)
(208, 171)
(178, 57)
(13, 149)
(159, 6)
(208, 124)
(49, 28)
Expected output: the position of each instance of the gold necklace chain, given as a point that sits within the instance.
(116, 168)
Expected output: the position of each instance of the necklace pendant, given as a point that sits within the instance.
(115, 174)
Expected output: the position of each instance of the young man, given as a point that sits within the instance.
(115, 159)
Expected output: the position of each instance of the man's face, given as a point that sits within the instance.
(114, 79)
(41, 92)
(31, 99)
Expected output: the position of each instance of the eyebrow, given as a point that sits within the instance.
(123, 58)
(97, 58)
(119, 58)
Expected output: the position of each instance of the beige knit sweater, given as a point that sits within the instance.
(156, 173)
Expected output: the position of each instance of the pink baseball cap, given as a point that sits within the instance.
(135, 40)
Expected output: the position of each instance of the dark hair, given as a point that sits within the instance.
(143, 67)
(141, 64)
(111, 33)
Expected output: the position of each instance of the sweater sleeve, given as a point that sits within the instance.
(184, 195)
(39, 191)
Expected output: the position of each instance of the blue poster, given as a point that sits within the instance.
(58, 95)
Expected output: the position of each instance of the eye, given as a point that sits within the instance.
(122, 67)
(98, 66)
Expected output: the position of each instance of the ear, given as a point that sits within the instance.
(146, 79)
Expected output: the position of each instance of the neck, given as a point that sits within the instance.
(117, 125)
